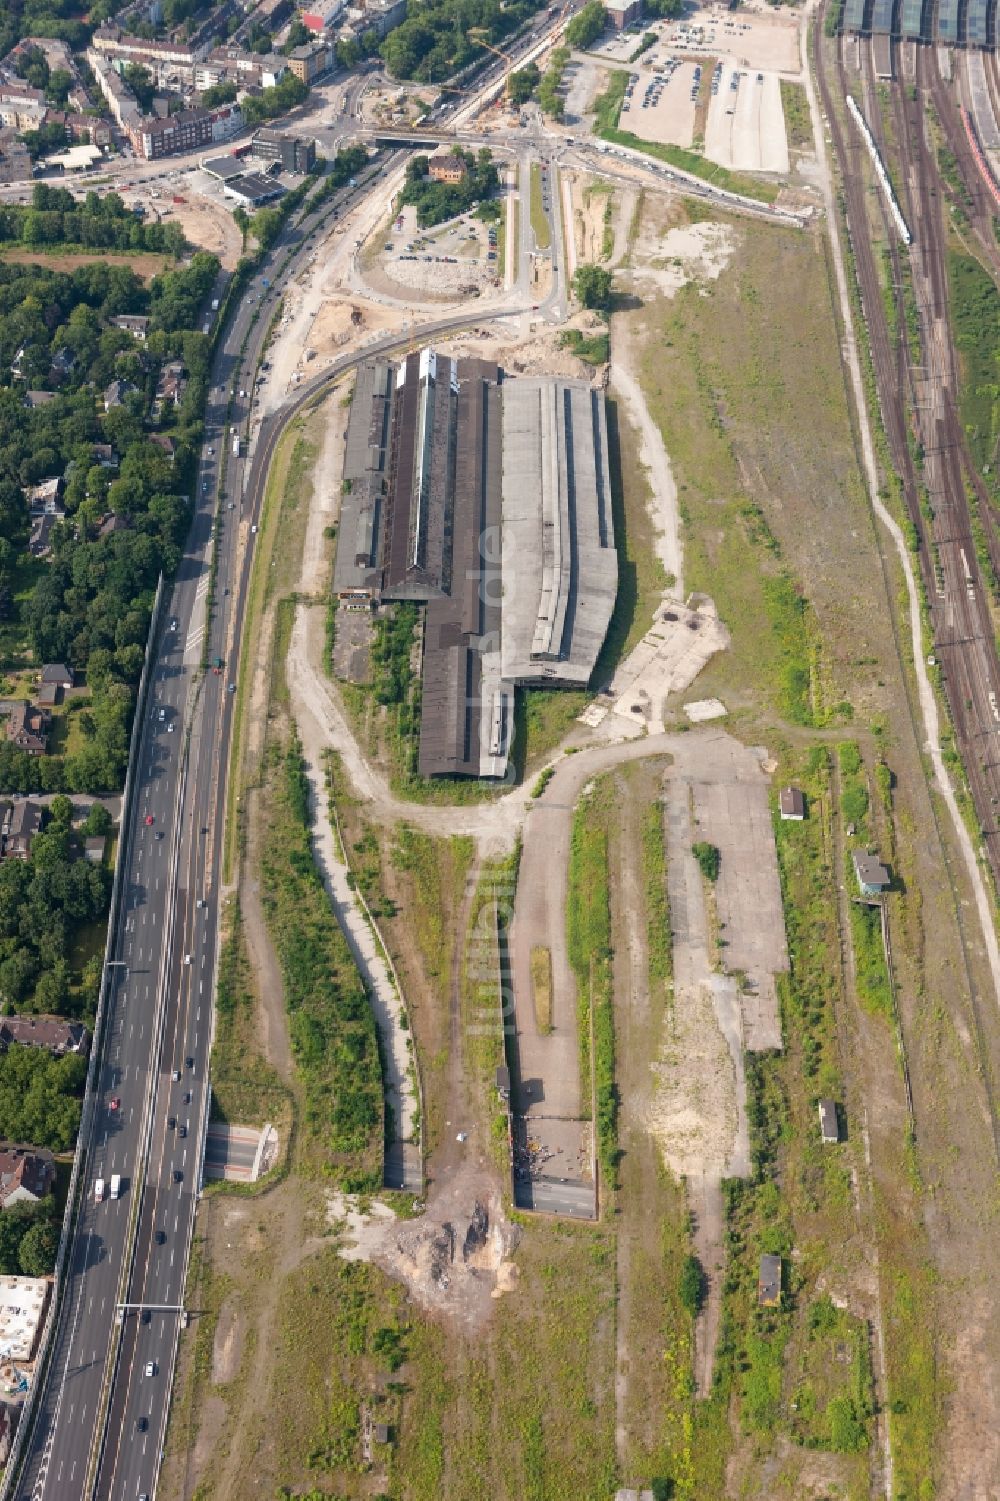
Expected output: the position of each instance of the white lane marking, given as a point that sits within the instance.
(197, 1015)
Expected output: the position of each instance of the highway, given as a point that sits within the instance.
(157, 1033)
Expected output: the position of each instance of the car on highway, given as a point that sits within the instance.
(148, 820)
(150, 1367)
(160, 1237)
(189, 1062)
(145, 1316)
(171, 1122)
(182, 1131)
(141, 1424)
(178, 1175)
(116, 1104)
(175, 1074)
(174, 623)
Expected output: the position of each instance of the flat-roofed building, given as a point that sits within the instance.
(560, 567)
(855, 12)
(452, 472)
(22, 1308)
(883, 18)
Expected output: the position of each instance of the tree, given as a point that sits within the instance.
(592, 284)
(523, 84)
(36, 1254)
(97, 822)
(586, 27)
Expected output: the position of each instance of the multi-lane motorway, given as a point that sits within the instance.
(99, 1421)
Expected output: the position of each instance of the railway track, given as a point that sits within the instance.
(921, 399)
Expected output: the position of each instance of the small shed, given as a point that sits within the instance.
(381, 1433)
(792, 803)
(58, 673)
(769, 1282)
(828, 1129)
(503, 1082)
(93, 848)
(872, 876)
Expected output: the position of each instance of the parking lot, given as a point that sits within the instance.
(660, 104)
(746, 122)
(459, 257)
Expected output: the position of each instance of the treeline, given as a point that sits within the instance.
(44, 902)
(437, 201)
(434, 42)
(55, 217)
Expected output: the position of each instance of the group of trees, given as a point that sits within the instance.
(437, 201)
(55, 217)
(40, 1098)
(592, 284)
(29, 1240)
(60, 19)
(286, 95)
(587, 25)
(90, 603)
(44, 901)
(434, 41)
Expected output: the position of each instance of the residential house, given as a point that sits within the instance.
(135, 324)
(170, 387)
(308, 61)
(48, 695)
(828, 1128)
(872, 876)
(28, 728)
(113, 523)
(33, 400)
(44, 498)
(52, 1033)
(769, 1282)
(165, 442)
(115, 394)
(62, 364)
(446, 166)
(58, 673)
(104, 455)
(93, 848)
(26, 1175)
(792, 804)
(21, 823)
(40, 536)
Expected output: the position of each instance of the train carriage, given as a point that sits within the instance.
(882, 17)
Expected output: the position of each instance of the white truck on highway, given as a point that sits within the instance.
(236, 445)
(116, 1185)
(99, 1191)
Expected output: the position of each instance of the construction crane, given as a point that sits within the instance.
(477, 34)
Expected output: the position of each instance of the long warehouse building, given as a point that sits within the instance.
(488, 499)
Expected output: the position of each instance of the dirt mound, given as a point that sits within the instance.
(454, 1259)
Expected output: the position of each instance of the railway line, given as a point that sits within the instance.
(918, 401)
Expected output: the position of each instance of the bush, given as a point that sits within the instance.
(708, 858)
(691, 1287)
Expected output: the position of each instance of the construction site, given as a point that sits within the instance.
(487, 499)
